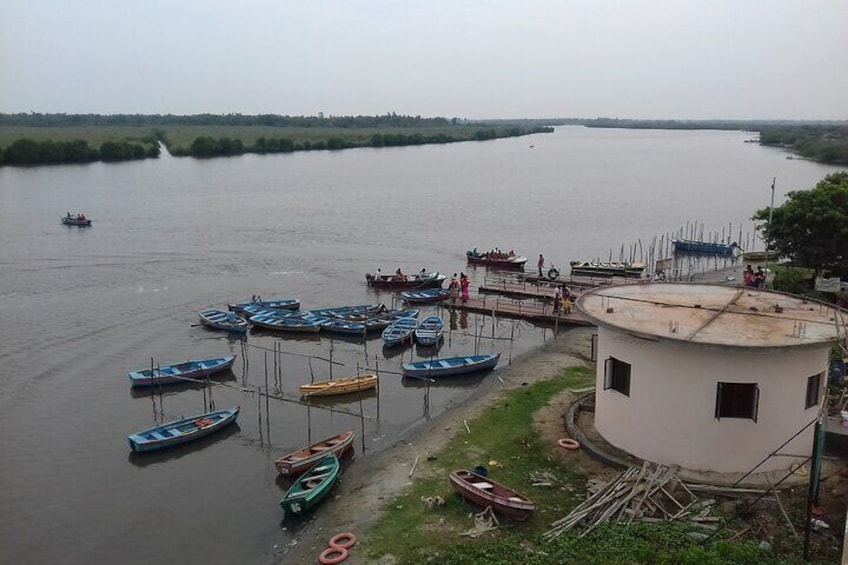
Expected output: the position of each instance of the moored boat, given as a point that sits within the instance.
(606, 269)
(304, 459)
(402, 330)
(79, 220)
(285, 304)
(182, 430)
(220, 320)
(355, 383)
(426, 296)
(288, 323)
(496, 260)
(486, 492)
(404, 282)
(449, 366)
(430, 330)
(310, 489)
(705, 247)
(180, 372)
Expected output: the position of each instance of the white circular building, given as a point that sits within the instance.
(709, 377)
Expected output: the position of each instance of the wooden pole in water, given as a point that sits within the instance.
(267, 409)
(377, 371)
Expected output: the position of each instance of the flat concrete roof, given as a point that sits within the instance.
(717, 315)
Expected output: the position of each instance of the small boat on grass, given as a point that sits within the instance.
(313, 487)
(180, 372)
(304, 459)
(430, 331)
(427, 296)
(288, 323)
(220, 320)
(496, 261)
(347, 385)
(182, 430)
(486, 492)
(450, 366)
(401, 330)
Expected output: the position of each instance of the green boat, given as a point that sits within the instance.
(312, 487)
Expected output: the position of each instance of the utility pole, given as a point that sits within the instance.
(771, 211)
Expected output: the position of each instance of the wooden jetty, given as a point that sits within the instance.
(506, 308)
(518, 289)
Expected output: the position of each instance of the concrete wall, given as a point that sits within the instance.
(669, 416)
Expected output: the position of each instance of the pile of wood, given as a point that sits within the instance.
(648, 494)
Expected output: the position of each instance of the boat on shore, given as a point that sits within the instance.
(221, 320)
(416, 281)
(355, 383)
(79, 220)
(310, 489)
(430, 330)
(607, 269)
(483, 491)
(705, 247)
(182, 430)
(497, 261)
(302, 460)
(450, 366)
(180, 372)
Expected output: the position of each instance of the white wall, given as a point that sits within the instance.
(669, 416)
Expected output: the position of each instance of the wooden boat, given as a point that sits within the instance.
(401, 330)
(79, 220)
(304, 459)
(342, 311)
(606, 269)
(450, 366)
(287, 323)
(182, 430)
(313, 487)
(430, 331)
(340, 326)
(382, 321)
(486, 492)
(500, 262)
(220, 320)
(347, 385)
(407, 282)
(705, 247)
(179, 372)
(427, 296)
(273, 304)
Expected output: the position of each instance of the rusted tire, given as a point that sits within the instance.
(325, 558)
(343, 541)
(568, 443)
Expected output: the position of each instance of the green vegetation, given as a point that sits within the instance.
(822, 143)
(811, 227)
(41, 138)
(504, 433)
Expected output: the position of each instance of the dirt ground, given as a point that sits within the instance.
(368, 484)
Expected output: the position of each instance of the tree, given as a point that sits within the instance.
(811, 227)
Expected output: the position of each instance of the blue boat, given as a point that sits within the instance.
(705, 247)
(428, 296)
(400, 331)
(342, 311)
(273, 304)
(220, 320)
(450, 366)
(180, 372)
(430, 331)
(340, 326)
(303, 324)
(182, 430)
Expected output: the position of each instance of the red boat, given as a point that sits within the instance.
(486, 492)
(304, 459)
(500, 261)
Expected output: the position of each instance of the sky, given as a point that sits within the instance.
(640, 59)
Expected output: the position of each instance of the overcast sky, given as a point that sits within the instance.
(684, 59)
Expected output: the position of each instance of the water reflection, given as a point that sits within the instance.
(339, 399)
(176, 388)
(458, 381)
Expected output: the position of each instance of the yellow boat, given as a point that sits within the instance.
(365, 381)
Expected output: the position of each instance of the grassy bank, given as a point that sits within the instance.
(504, 440)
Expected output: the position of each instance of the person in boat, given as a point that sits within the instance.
(399, 275)
(68, 216)
(231, 317)
(423, 273)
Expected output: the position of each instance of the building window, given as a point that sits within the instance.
(617, 376)
(737, 400)
(813, 388)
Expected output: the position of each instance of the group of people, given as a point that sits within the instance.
(563, 299)
(459, 288)
(496, 253)
(754, 279)
(80, 216)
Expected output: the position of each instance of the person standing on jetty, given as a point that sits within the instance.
(464, 283)
(541, 264)
(453, 289)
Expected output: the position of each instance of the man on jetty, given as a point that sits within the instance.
(541, 264)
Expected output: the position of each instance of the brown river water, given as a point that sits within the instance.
(81, 307)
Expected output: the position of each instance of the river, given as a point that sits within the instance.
(81, 307)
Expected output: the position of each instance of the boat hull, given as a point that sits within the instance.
(704, 247)
(180, 372)
(304, 459)
(341, 386)
(411, 282)
(516, 263)
(313, 487)
(428, 296)
(430, 331)
(486, 492)
(218, 320)
(182, 431)
(74, 222)
(449, 367)
(606, 269)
